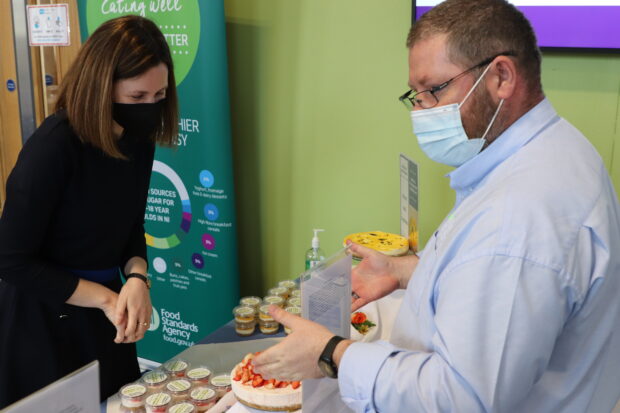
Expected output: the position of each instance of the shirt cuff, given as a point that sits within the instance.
(358, 370)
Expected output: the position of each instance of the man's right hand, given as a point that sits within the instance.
(378, 275)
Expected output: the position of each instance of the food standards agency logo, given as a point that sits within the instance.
(154, 320)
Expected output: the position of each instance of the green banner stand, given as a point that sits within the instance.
(190, 213)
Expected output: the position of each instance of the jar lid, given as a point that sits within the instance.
(183, 407)
(155, 377)
(175, 365)
(178, 385)
(294, 301)
(198, 373)
(296, 293)
(133, 390)
(273, 299)
(202, 393)
(278, 291)
(158, 399)
(244, 311)
(288, 284)
(293, 310)
(251, 300)
(221, 380)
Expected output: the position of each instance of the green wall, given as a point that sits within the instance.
(317, 127)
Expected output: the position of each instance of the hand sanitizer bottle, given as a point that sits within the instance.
(314, 255)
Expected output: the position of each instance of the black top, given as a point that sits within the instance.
(68, 207)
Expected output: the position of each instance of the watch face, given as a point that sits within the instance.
(327, 369)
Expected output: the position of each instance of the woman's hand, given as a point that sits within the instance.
(133, 311)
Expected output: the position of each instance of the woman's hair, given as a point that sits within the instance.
(120, 48)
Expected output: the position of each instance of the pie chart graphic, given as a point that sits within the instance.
(174, 239)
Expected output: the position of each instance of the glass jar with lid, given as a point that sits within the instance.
(221, 384)
(292, 310)
(203, 398)
(266, 322)
(133, 397)
(179, 389)
(199, 375)
(245, 320)
(155, 380)
(158, 402)
(175, 368)
(273, 299)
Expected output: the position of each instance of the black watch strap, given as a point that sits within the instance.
(326, 359)
(142, 277)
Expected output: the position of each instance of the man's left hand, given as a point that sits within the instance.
(296, 356)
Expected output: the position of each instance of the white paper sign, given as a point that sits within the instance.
(409, 224)
(48, 25)
(76, 393)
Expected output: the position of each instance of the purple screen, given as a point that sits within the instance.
(571, 26)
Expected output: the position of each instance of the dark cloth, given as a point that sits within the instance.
(68, 206)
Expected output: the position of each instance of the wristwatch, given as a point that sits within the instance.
(144, 278)
(326, 361)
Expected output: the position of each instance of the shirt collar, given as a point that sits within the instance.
(465, 178)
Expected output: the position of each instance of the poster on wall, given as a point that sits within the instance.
(48, 25)
(189, 217)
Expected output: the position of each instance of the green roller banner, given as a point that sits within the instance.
(190, 218)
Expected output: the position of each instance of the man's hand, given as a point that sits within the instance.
(296, 357)
(378, 275)
(133, 310)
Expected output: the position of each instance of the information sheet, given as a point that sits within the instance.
(76, 393)
(409, 201)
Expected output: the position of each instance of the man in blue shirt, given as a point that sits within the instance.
(514, 304)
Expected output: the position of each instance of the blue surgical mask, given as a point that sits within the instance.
(441, 134)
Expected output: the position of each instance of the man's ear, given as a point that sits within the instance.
(503, 80)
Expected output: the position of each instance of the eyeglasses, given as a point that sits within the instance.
(427, 99)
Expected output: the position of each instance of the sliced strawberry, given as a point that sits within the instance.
(276, 383)
(245, 377)
(282, 384)
(257, 381)
(237, 377)
(295, 384)
(269, 384)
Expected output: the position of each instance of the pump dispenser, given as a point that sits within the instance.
(314, 255)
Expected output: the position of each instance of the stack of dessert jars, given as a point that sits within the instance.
(253, 311)
(175, 387)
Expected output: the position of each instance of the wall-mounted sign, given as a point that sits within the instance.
(48, 25)
(10, 85)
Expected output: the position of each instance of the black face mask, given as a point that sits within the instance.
(139, 119)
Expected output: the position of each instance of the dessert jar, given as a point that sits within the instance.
(294, 302)
(290, 285)
(279, 291)
(155, 381)
(266, 323)
(175, 368)
(133, 397)
(251, 301)
(158, 402)
(199, 375)
(183, 407)
(179, 390)
(203, 398)
(221, 384)
(296, 293)
(245, 320)
(273, 299)
(292, 310)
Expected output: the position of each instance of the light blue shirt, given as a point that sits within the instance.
(515, 303)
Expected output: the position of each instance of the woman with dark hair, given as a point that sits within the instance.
(73, 221)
